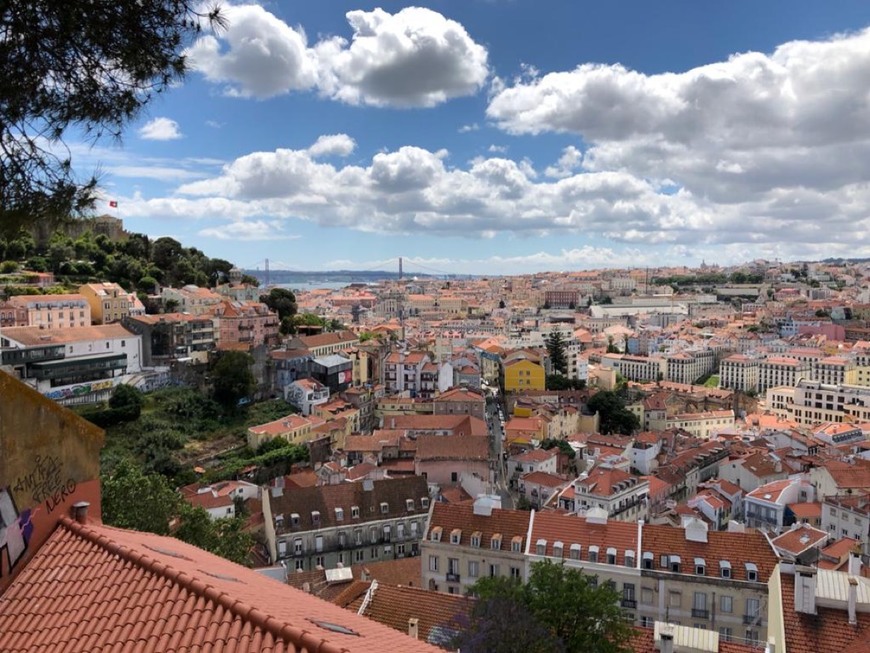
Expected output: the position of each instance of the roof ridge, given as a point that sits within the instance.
(291, 634)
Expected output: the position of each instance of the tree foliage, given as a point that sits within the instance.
(140, 501)
(559, 609)
(556, 348)
(232, 378)
(613, 416)
(282, 301)
(89, 66)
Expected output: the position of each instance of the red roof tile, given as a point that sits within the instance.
(97, 588)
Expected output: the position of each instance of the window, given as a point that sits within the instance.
(318, 543)
(725, 633)
(357, 536)
(494, 570)
(388, 531)
(294, 520)
(611, 556)
(473, 568)
(751, 610)
(455, 536)
(593, 553)
(646, 595)
(628, 592)
(495, 542)
(751, 572)
(297, 546)
(558, 549)
(541, 547)
(647, 560)
(674, 599)
(475, 539)
(339, 514)
(575, 552)
(674, 562)
(374, 553)
(413, 529)
(359, 555)
(629, 558)
(315, 518)
(400, 532)
(725, 603)
(409, 505)
(646, 622)
(435, 534)
(517, 544)
(433, 563)
(725, 569)
(373, 534)
(699, 605)
(751, 636)
(700, 567)
(454, 477)
(300, 564)
(424, 503)
(385, 507)
(318, 561)
(453, 566)
(515, 572)
(354, 512)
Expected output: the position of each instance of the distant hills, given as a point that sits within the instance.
(328, 276)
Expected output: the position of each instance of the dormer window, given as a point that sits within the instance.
(424, 503)
(700, 567)
(751, 572)
(385, 507)
(541, 547)
(724, 569)
(558, 549)
(339, 514)
(663, 561)
(629, 558)
(279, 520)
(517, 544)
(674, 563)
(294, 520)
(647, 562)
(456, 536)
(354, 512)
(575, 551)
(475, 539)
(315, 518)
(435, 535)
(495, 542)
(409, 505)
(611, 555)
(593, 553)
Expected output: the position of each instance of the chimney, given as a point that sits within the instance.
(666, 638)
(80, 512)
(805, 589)
(855, 560)
(853, 600)
(413, 628)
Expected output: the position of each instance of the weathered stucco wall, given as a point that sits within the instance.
(49, 460)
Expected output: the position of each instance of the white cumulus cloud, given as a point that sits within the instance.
(160, 129)
(413, 58)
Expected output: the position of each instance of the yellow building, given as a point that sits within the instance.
(296, 429)
(523, 374)
(108, 301)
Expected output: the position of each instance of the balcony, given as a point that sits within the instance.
(628, 603)
(751, 619)
(700, 613)
(452, 578)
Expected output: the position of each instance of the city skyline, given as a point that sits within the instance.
(495, 138)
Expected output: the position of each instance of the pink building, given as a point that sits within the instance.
(245, 325)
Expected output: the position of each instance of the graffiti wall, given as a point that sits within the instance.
(49, 460)
(79, 390)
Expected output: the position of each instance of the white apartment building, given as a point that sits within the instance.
(816, 402)
(781, 370)
(739, 372)
(688, 366)
(636, 368)
(835, 370)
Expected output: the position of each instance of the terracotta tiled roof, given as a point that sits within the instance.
(798, 540)
(642, 640)
(828, 631)
(570, 529)
(96, 588)
(543, 478)
(403, 571)
(28, 336)
(324, 499)
(535, 456)
(438, 614)
(452, 447)
(736, 548)
(507, 523)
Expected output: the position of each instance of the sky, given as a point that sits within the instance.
(508, 136)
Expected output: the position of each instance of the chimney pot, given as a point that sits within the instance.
(853, 600)
(413, 628)
(80, 511)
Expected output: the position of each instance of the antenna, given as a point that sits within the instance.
(400, 268)
(267, 273)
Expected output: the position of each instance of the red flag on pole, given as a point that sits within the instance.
(113, 204)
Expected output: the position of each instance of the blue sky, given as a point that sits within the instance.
(497, 136)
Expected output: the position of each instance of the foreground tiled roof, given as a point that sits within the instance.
(828, 631)
(95, 588)
(437, 613)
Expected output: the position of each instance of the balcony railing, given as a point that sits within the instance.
(700, 613)
(629, 603)
(751, 619)
(452, 578)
